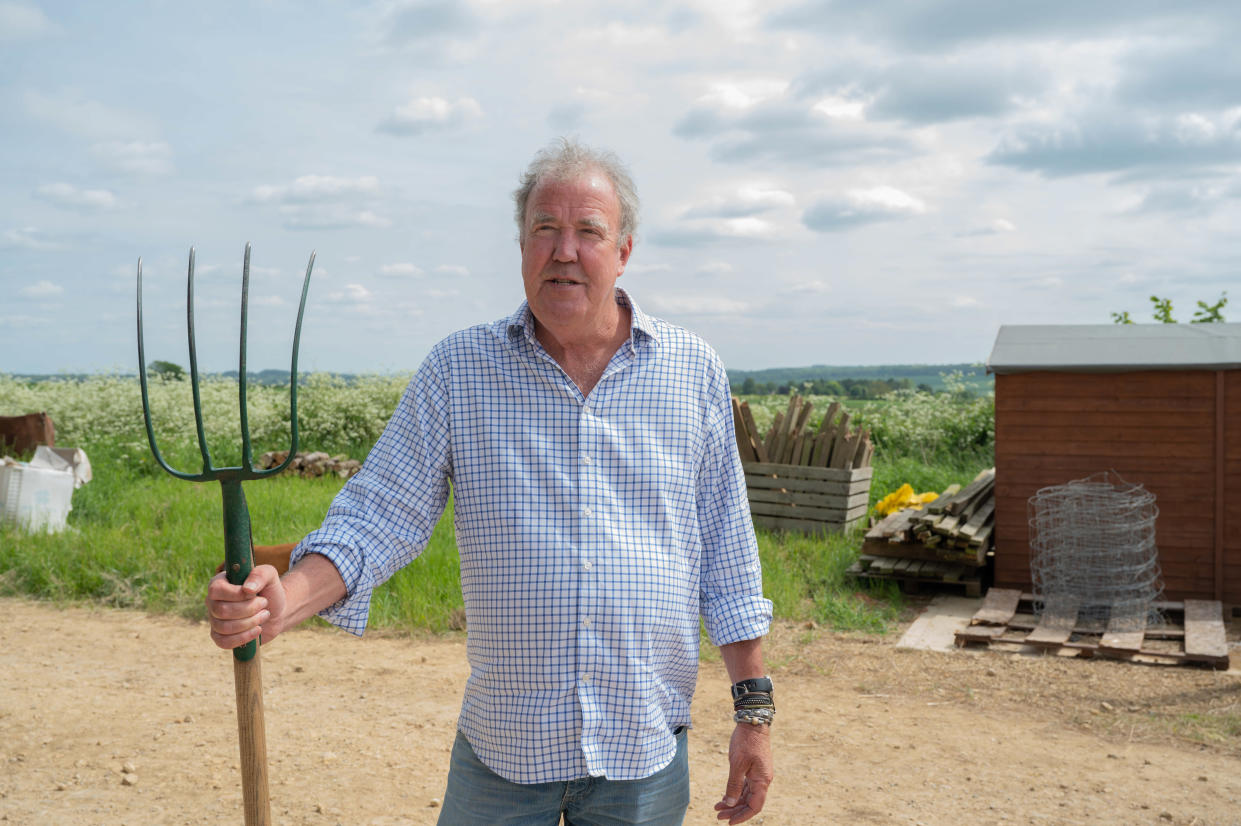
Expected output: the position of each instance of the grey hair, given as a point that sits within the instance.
(566, 158)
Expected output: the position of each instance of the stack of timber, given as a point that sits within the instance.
(912, 574)
(811, 480)
(1187, 633)
(956, 527)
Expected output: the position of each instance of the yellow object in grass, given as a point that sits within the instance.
(903, 497)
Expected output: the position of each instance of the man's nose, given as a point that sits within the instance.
(566, 246)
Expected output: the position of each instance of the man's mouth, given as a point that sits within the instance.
(564, 281)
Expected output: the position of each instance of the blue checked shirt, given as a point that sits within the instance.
(593, 532)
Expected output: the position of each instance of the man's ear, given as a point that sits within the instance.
(625, 250)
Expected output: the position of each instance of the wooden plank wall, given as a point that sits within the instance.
(1156, 428)
(1232, 488)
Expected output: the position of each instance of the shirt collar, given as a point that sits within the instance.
(521, 323)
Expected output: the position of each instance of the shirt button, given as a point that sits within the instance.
(585, 678)
(586, 564)
(587, 511)
(586, 622)
(586, 460)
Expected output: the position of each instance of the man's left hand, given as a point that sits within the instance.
(750, 772)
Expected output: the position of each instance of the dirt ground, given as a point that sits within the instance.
(116, 717)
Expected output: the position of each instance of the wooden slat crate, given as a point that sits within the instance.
(813, 500)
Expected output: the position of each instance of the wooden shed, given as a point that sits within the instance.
(1159, 404)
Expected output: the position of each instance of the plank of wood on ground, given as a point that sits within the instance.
(885, 527)
(979, 518)
(998, 607)
(1057, 623)
(1123, 634)
(937, 506)
(1204, 630)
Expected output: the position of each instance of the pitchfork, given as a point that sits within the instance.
(238, 550)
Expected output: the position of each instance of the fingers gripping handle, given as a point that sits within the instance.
(238, 550)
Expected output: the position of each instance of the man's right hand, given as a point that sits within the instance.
(241, 613)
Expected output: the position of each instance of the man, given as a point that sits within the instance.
(600, 509)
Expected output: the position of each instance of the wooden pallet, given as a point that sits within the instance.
(1192, 634)
(914, 573)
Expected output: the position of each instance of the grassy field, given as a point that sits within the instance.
(141, 539)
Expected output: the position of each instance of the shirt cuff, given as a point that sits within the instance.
(736, 618)
(350, 613)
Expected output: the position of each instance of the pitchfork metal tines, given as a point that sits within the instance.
(247, 470)
(238, 550)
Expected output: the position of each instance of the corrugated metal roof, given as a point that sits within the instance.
(1021, 348)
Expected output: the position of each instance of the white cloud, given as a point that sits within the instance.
(352, 294)
(67, 195)
(330, 216)
(137, 157)
(19, 322)
(997, 226)
(701, 231)
(715, 268)
(813, 287)
(19, 21)
(324, 202)
(29, 238)
(639, 268)
(838, 108)
(41, 290)
(743, 202)
(70, 112)
(431, 114)
(316, 188)
(402, 268)
(861, 206)
(1106, 139)
(453, 269)
(742, 94)
(697, 305)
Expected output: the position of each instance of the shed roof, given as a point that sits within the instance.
(1105, 348)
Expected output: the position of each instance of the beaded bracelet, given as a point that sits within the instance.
(755, 716)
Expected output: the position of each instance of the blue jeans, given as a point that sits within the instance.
(477, 796)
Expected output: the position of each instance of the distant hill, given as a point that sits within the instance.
(974, 375)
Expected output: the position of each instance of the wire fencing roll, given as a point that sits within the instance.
(1092, 545)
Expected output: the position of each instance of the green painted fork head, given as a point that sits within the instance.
(209, 471)
(238, 550)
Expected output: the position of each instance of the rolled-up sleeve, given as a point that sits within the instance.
(383, 517)
(733, 607)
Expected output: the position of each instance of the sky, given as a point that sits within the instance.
(822, 181)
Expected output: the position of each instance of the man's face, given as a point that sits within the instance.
(571, 254)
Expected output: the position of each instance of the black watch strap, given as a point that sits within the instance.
(752, 685)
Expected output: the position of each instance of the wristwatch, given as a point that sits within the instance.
(751, 686)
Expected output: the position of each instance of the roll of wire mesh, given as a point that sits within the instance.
(1092, 545)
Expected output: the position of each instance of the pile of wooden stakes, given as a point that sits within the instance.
(790, 441)
(957, 526)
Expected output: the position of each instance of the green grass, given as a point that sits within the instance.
(141, 539)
